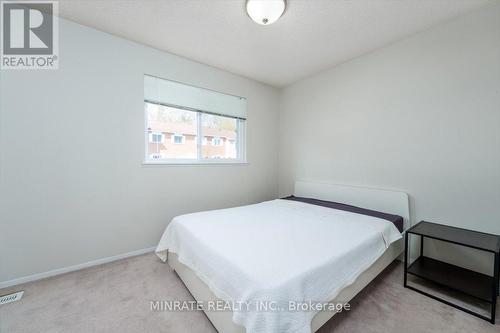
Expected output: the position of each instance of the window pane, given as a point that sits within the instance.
(178, 139)
(172, 132)
(156, 138)
(221, 136)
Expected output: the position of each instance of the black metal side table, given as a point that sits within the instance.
(478, 285)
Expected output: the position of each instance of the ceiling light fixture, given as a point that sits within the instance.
(265, 12)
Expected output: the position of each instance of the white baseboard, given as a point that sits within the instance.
(58, 271)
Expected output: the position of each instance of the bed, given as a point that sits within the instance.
(283, 250)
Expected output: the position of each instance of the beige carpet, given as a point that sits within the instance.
(116, 298)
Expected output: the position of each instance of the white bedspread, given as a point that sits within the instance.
(277, 251)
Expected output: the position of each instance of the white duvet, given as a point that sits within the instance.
(277, 251)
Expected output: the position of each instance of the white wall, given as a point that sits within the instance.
(421, 115)
(72, 187)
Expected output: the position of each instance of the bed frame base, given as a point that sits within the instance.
(222, 321)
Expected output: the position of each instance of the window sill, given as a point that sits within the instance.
(193, 163)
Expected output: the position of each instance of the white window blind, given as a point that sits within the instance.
(175, 94)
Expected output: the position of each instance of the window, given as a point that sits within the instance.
(216, 141)
(156, 137)
(180, 124)
(185, 124)
(178, 139)
(221, 129)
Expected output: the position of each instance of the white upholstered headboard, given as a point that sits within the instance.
(387, 201)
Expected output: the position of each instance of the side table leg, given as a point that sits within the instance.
(494, 292)
(421, 245)
(407, 235)
(498, 273)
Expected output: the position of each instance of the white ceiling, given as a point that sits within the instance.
(311, 36)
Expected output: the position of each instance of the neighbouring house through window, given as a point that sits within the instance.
(185, 124)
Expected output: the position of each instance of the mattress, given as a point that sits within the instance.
(277, 251)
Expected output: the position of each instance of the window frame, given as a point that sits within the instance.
(199, 160)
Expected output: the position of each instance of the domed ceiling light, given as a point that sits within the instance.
(265, 12)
